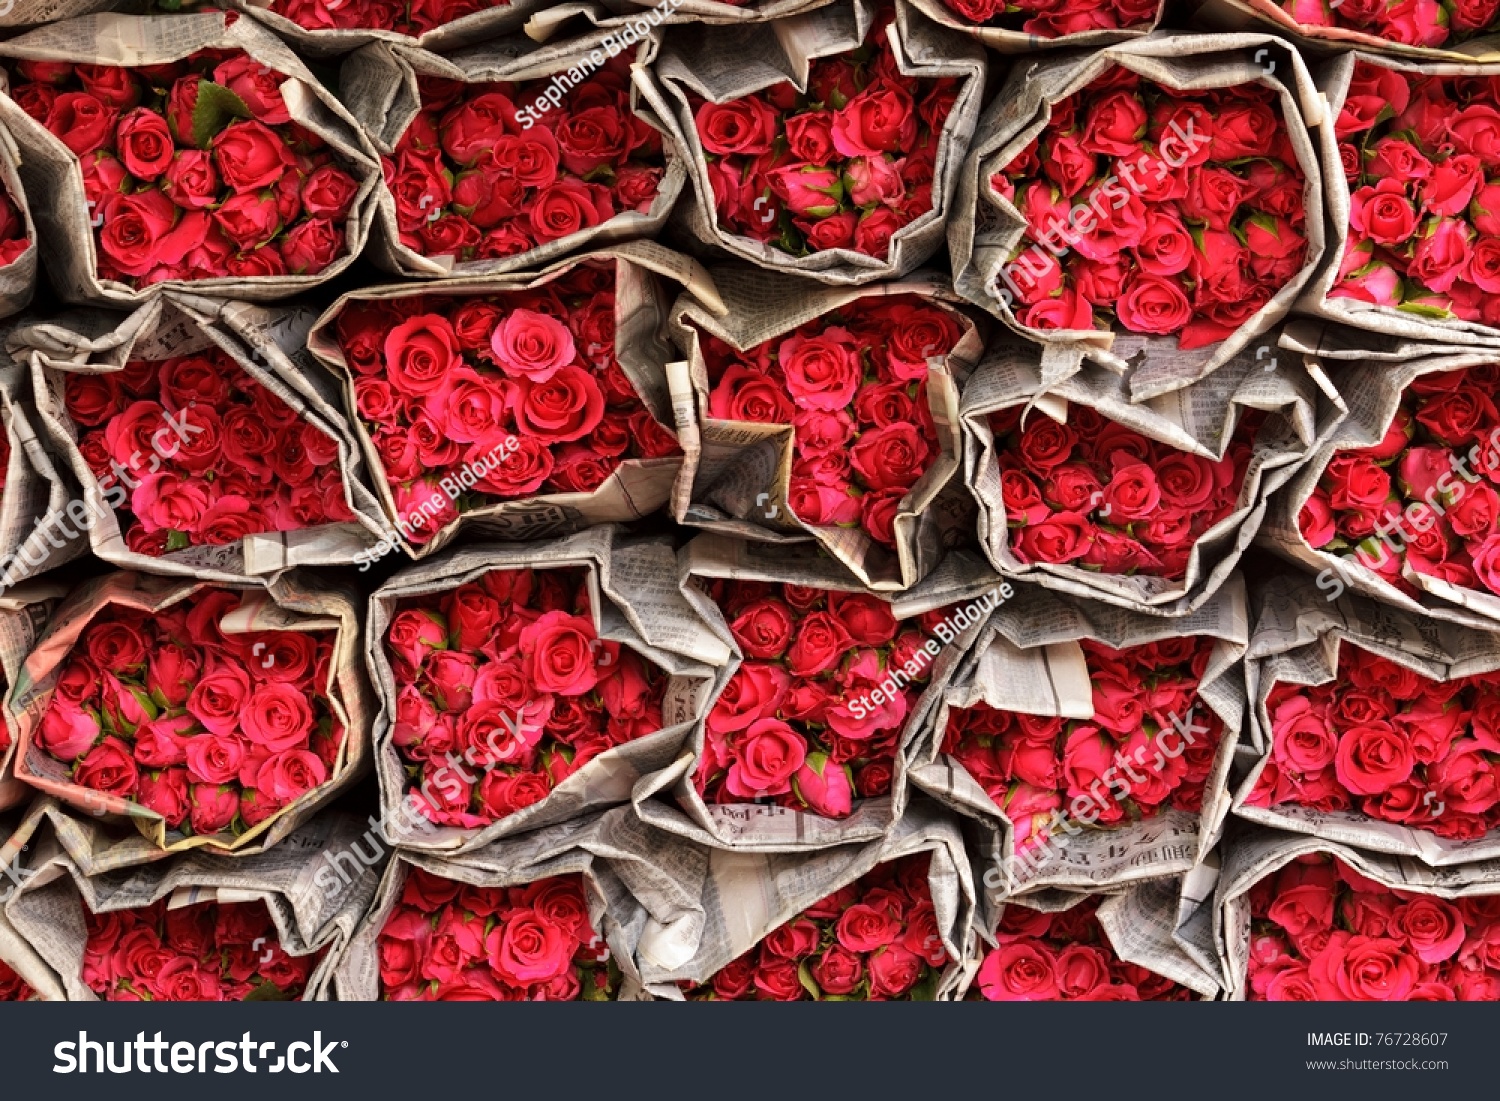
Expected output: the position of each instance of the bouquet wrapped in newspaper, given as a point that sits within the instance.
(802, 744)
(525, 684)
(826, 144)
(25, 610)
(508, 155)
(1073, 209)
(1017, 28)
(1150, 505)
(325, 28)
(1091, 743)
(207, 442)
(1151, 942)
(890, 919)
(1306, 919)
(513, 406)
(1372, 727)
(824, 413)
(193, 151)
(1462, 32)
(18, 236)
(631, 21)
(195, 928)
(209, 715)
(551, 915)
(1400, 503)
(1417, 248)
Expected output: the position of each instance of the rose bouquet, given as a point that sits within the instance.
(1086, 490)
(521, 406)
(828, 682)
(500, 686)
(185, 928)
(219, 163)
(198, 441)
(1102, 732)
(844, 176)
(485, 173)
(1461, 31)
(1308, 920)
(210, 715)
(332, 28)
(1039, 24)
(1164, 191)
(852, 396)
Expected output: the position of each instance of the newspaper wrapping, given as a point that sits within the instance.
(637, 487)
(1299, 634)
(633, 600)
(960, 579)
(1314, 41)
(1333, 79)
(268, 343)
(632, 20)
(736, 475)
(50, 170)
(1026, 659)
(727, 63)
(747, 895)
(293, 602)
(56, 883)
(326, 42)
(19, 277)
(1164, 925)
(1370, 371)
(15, 953)
(987, 233)
(379, 83)
(1007, 40)
(1201, 419)
(642, 885)
(1252, 854)
(24, 612)
(28, 13)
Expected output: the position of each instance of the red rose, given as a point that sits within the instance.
(767, 756)
(144, 144)
(567, 406)
(81, 121)
(559, 653)
(311, 246)
(251, 156)
(532, 345)
(745, 126)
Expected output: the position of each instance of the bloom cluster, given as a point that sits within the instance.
(1117, 767)
(1102, 496)
(1384, 740)
(875, 940)
(1412, 22)
(853, 385)
(509, 672)
(844, 165)
(1422, 158)
(1321, 932)
(1055, 18)
(214, 732)
(1209, 228)
(471, 182)
(241, 461)
(785, 727)
(1064, 957)
(1424, 497)
(13, 988)
(206, 952)
(452, 942)
(194, 169)
(411, 17)
(442, 383)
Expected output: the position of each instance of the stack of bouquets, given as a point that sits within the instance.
(1090, 741)
(844, 175)
(523, 684)
(888, 920)
(544, 917)
(200, 445)
(1085, 490)
(484, 173)
(210, 714)
(1400, 502)
(1300, 919)
(1368, 726)
(185, 929)
(1165, 191)
(1130, 946)
(805, 736)
(850, 400)
(189, 168)
(517, 406)
(1021, 27)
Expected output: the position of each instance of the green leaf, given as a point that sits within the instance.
(1436, 312)
(926, 990)
(268, 992)
(216, 106)
(178, 540)
(804, 976)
